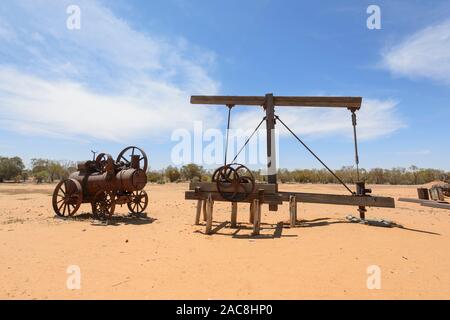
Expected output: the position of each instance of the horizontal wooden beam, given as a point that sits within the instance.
(319, 198)
(216, 196)
(427, 203)
(436, 204)
(212, 187)
(335, 102)
(367, 201)
(413, 200)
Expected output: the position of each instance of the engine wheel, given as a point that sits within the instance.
(138, 202)
(103, 205)
(67, 197)
(131, 151)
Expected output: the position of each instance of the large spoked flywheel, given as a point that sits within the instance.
(235, 182)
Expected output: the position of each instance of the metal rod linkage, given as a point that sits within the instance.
(248, 139)
(230, 106)
(315, 156)
(356, 142)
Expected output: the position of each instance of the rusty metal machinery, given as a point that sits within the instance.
(235, 182)
(105, 183)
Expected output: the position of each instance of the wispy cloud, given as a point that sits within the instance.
(377, 118)
(425, 54)
(106, 81)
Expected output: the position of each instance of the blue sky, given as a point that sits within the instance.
(126, 76)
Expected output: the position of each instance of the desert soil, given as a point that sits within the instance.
(167, 257)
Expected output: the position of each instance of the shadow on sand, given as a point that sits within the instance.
(328, 221)
(278, 228)
(130, 219)
(275, 234)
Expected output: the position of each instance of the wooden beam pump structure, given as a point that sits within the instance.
(269, 102)
(273, 197)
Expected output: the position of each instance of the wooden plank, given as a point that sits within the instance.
(256, 217)
(427, 203)
(266, 199)
(251, 215)
(412, 200)
(234, 207)
(229, 100)
(368, 201)
(328, 102)
(283, 101)
(435, 204)
(212, 187)
(199, 211)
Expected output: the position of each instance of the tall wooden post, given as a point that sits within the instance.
(269, 106)
(257, 217)
(199, 211)
(293, 210)
(204, 210)
(209, 213)
(234, 207)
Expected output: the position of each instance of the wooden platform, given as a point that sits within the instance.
(206, 193)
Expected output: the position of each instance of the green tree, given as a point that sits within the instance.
(172, 173)
(10, 168)
(41, 176)
(155, 176)
(192, 171)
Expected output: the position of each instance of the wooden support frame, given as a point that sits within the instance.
(269, 102)
(208, 193)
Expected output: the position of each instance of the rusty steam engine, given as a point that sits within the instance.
(105, 183)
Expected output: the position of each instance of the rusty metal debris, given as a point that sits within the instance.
(105, 183)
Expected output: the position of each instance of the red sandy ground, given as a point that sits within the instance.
(170, 258)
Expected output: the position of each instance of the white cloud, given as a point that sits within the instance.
(67, 109)
(424, 54)
(376, 118)
(105, 81)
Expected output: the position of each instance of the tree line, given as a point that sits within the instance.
(395, 176)
(45, 170)
(42, 170)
